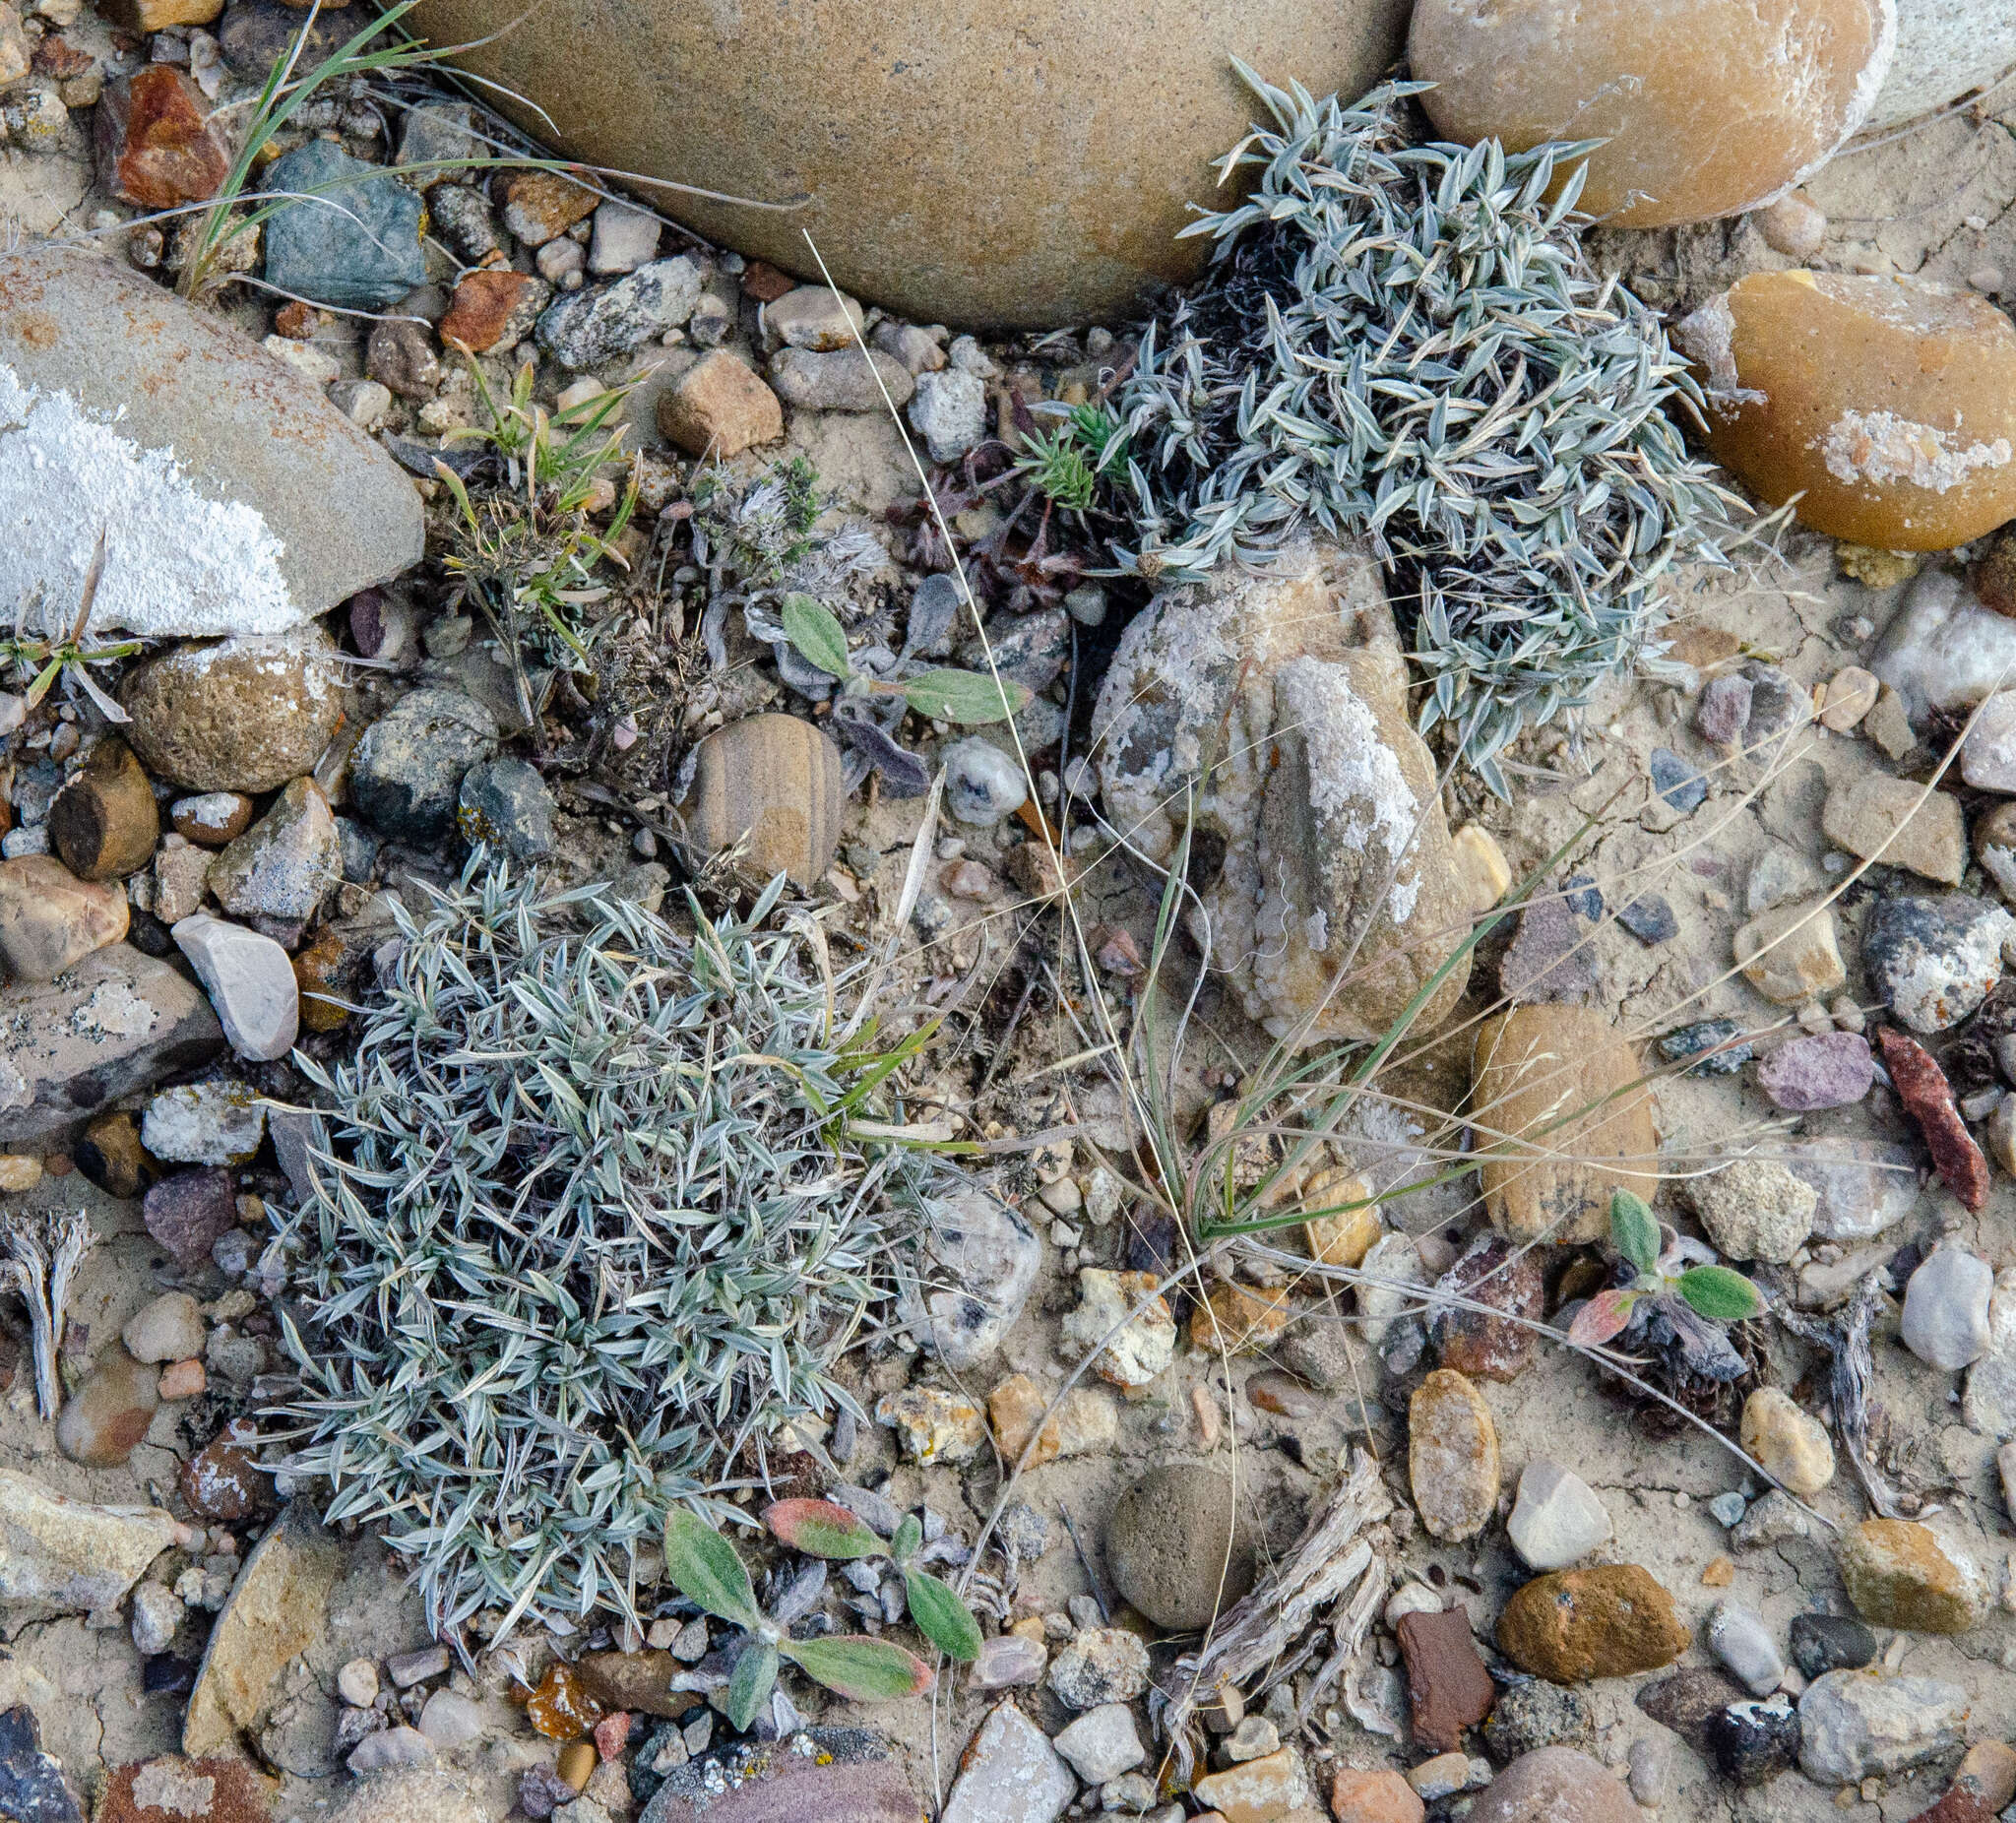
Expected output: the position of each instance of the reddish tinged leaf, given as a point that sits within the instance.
(859, 1669)
(1927, 1098)
(822, 1529)
(1601, 1318)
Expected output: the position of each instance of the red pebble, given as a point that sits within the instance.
(1927, 1098)
(613, 1735)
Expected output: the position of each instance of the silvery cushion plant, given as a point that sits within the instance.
(592, 1217)
(1403, 343)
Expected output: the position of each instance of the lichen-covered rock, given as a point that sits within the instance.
(1281, 699)
(1898, 1573)
(1934, 960)
(1704, 107)
(1563, 1123)
(67, 1556)
(233, 496)
(1886, 402)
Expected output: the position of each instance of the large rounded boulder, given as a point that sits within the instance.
(955, 159)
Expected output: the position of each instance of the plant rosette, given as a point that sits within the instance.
(1670, 1290)
(708, 1571)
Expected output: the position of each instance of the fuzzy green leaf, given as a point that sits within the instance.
(1720, 1296)
(705, 1568)
(1634, 1230)
(965, 696)
(750, 1685)
(816, 634)
(1601, 1318)
(910, 1537)
(941, 1616)
(861, 1670)
(821, 1528)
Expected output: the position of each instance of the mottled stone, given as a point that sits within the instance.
(1754, 1208)
(1752, 1741)
(1823, 1642)
(1857, 1724)
(1789, 1443)
(1899, 1574)
(1452, 1456)
(1335, 841)
(102, 1422)
(1791, 955)
(69, 1556)
(1554, 1784)
(50, 921)
(1607, 1622)
(1830, 1069)
(1933, 961)
(1496, 1272)
(187, 1211)
(279, 1606)
(1134, 1345)
(1100, 1664)
(156, 140)
(1927, 1098)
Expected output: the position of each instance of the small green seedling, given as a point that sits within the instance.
(821, 1528)
(707, 1571)
(45, 659)
(1711, 1291)
(942, 695)
(1067, 465)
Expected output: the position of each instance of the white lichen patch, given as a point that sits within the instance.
(1355, 784)
(176, 563)
(1875, 448)
(114, 1011)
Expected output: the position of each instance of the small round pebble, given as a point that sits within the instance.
(357, 1683)
(1946, 1309)
(982, 784)
(1738, 1637)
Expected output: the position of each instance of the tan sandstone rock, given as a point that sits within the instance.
(1887, 404)
(1706, 108)
(1563, 1123)
(960, 162)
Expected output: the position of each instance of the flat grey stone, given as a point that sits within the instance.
(273, 508)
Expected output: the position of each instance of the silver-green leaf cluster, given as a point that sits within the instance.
(1401, 343)
(591, 1220)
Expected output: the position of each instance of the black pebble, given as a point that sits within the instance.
(1754, 1740)
(1822, 1643)
(1650, 919)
